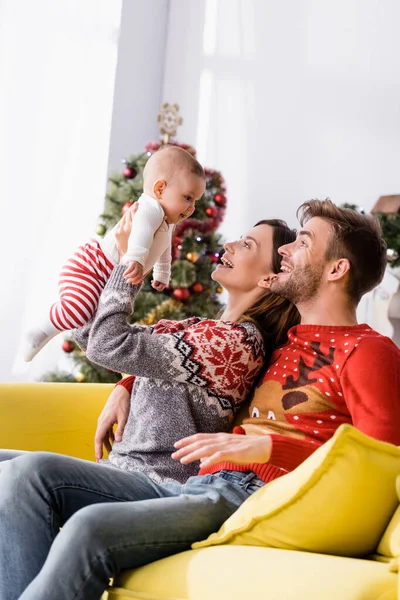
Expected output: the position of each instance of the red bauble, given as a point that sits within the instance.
(176, 241)
(128, 173)
(211, 211)
(197, 287)
(126, 207)
(67, 346)
(181, 294)
(214, 257)
(220, 199)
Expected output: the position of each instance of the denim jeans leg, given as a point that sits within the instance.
(10, 454)
(112, 521)
(39, 492)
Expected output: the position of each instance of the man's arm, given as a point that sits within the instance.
(371, 388)
(214, 448)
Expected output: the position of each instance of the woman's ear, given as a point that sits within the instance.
(265, 282)
(159, 187)
(339, 268)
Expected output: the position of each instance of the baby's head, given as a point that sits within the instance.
(176, 179)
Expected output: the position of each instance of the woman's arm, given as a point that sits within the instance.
(210, 354)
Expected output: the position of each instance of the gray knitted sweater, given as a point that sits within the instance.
(190, 376)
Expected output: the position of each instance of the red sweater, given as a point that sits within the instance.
(323, 377)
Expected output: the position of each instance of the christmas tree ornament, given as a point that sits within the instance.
(392, 255)
(68, 346)
(129, 173)
(219, 290)
(214, 257)
(101, 229)
(169, 120)
(220, 199)
(211, 211)
(192, 257)
(197, 288)
(126, 207)
(177, 241)
(79, 376)
(181, 294)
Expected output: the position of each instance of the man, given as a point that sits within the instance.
(331, 371)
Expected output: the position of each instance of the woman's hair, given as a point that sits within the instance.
(274, 315)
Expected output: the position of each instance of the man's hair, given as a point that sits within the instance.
(356, 237)
(182, 158)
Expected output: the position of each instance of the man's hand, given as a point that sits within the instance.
(158, 285)
(213, 448)
(115, 411)
(124, 229)
(134, 272)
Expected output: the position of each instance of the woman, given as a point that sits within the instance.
(191, 376)
(40, 492)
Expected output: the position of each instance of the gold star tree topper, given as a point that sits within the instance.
(169, 120)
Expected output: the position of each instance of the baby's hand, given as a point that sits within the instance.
(134, 272)
(158, 285)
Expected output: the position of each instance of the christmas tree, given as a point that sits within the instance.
(195, 250)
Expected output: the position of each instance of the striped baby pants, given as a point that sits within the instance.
(81, 282)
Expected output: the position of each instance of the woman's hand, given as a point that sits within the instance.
(115, 411)
(124, 229)
(213, 448)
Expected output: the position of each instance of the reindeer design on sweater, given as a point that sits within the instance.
(299, 391)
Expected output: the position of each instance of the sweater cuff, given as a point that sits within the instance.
(127, 383)
(117, 282)
(289, 452)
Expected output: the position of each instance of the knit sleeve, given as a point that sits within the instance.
(221, 357)
(286, 452)
(289, 452)
(145, 223)
(127, 383)
(370, 380)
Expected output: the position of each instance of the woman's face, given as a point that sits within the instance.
(246, 261)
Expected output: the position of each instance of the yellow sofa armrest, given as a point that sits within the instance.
(55, 417)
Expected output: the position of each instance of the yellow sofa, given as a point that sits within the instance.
(62, 418)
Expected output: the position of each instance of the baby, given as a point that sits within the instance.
(172, 182)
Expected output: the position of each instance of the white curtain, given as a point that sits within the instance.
(57, 69)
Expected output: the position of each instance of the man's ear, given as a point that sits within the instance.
(265, 282)
(159, 187)
(339, 268)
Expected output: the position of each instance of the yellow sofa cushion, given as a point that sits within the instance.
(338, 501)
(246, 573)
(389, 545)
(55, 417)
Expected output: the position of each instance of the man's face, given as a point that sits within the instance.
(303, 262)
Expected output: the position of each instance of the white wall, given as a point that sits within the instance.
(57, 67)
(291, 100)
(139, 78)
(63, 133)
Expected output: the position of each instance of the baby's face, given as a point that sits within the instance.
(180, 194)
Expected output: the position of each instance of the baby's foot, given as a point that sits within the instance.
(35, 341)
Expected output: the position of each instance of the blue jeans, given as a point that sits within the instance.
(111, 520)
